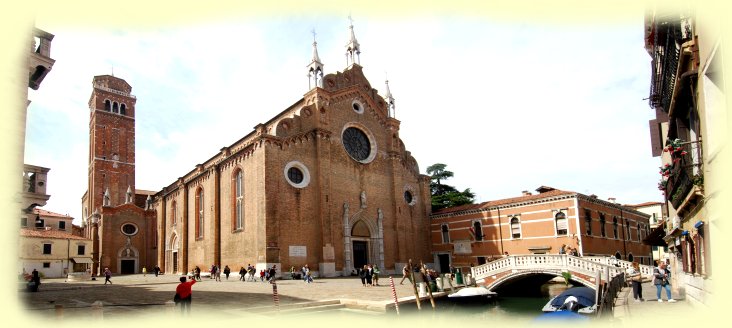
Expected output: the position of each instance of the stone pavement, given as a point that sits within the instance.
(146, 296)
(627, 310)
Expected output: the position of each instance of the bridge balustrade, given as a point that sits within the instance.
(554, 262)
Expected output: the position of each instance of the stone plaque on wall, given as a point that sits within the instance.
(298, 251)
(328, 253)
(463, 247)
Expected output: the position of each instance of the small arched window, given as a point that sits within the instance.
(615, 228)
(602, 225)
(588, 222)
(515, 228)
(108, 105)
(115, 107)
(477, 230)
(445, 234)
(122, 109)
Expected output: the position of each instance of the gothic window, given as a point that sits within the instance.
(173, 212)
(115, 107)
(445, 234)
(615, 227)
(515, 228)
(627, 230)
(602, 225)
(638, 232)
(560, 220)
(108, 105)
(239, 200)
(478, 231)
(199, 213)
(357, 144)
(588, 222)
(122, 109)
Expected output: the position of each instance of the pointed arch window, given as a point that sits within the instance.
(560, 220)
(615, 227)
(515, 228)
(199, 213)
(445, 234)
(115, 107)
(238, 200)
(588, 222)
(108, 105)
(478, 230)
(123, 109)
(173, 212)
(627, 230)
(602, 225)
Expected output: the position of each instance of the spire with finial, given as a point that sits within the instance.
(390, 104)
(353, 49)
(315, 69)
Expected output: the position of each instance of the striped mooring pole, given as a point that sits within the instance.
(275, 296)
(393, 293)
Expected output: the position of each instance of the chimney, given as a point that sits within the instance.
(612, 200)
(526, 193)
(593, 196)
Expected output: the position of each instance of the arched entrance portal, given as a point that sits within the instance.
(360, 236)
(172, 256)
(128, 260)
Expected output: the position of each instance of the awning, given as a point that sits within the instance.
(80, 260)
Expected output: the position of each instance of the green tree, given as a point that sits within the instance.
(444, 195)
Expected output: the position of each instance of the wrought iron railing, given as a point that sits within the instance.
(685, 173)
(669, 33)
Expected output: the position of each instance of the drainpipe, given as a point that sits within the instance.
(500, 230)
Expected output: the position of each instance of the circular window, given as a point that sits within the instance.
(357, 107)
(357, 144)
(297, 174)
(129, 229)
(408, 197)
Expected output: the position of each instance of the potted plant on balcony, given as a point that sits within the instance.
(665, 170)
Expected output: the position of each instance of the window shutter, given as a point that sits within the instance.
(684, 255)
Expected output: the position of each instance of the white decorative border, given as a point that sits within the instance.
(359, 105)
(305, 174)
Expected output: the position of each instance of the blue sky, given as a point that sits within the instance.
(509, 103)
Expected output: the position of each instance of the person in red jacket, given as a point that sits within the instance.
(185, 294)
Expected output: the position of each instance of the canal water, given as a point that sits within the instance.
(510, 305)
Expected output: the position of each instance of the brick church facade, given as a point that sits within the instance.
(327, 182)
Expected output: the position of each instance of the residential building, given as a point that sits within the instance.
(689, 134)
(657, 211)
(47, 244)
(540, 223)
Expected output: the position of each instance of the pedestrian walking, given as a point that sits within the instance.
(272, 273)
(635, 277)
(184, 295)
(227, 271)
(365, 272)
(242, 274)
(35, 280)
(305, 271)
(197, 273)
(405, 274)
(261, 275)
(217, 273)
(661, 280)
(156, 270)
(107, 276)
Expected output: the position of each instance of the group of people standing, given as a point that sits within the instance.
(661, 279)
(369, 275)
(566, 249)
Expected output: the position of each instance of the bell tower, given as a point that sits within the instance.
(111, 144)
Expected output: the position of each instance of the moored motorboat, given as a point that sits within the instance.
(476, 294)
(576, 299)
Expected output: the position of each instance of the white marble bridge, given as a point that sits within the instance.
(586, 270)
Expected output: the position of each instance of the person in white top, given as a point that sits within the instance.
(661, 280)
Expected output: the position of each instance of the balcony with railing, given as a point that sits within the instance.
(668, 34)
(685, 178)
